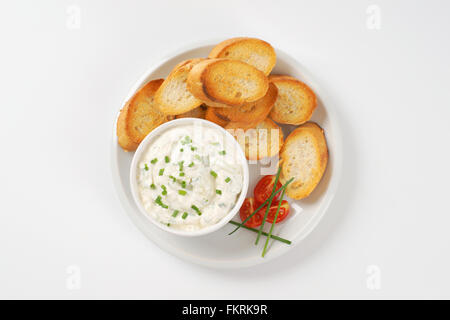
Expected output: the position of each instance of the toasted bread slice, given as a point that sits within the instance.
(260, 140)
(225, 82)
(255, 52)
(139, 116)
(198, 112)
(304, 157)
(295, 103)
(212, 116)
(253, 112)
(172, 97)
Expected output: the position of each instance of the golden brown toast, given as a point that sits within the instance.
(198, 112)
(225, 82)
(255, 52)
(253, 112)
(212, 116)
(260, 140)
(295, 103)
(172, 97)
(304, 157)
(139, 116)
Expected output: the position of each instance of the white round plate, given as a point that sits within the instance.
(218, 249)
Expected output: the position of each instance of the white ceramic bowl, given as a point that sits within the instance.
(240, 158)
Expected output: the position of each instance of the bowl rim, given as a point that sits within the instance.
(156, 133)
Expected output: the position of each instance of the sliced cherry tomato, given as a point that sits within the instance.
(264, 189)
(247, 209)
(282, 214)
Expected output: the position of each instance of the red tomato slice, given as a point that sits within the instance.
(247, 209)
(282, 214)
(264, 188)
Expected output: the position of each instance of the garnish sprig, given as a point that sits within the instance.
(263, 233)
(261, 206)
(273, 224)
(277, 177)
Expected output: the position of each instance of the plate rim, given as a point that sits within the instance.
(307, 229)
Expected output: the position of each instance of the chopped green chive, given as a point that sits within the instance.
(193, 148)
(173, 178)
(164, 192)
(182, 192)
(213, 173)
(181, 174)
(218, 191)
(222, 153)
(146, 167)
(154, 161)
(167, 159)
(153, 186)
(184, 216)
(181, 150)
(161, 171)
(228, 179)
(196, 210)
(186, 140)
(191, 165)
(175, 213)
(159, 202)
(183, 184)
(168, 224)
(181, 165)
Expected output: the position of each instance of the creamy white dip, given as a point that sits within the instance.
(189, 178)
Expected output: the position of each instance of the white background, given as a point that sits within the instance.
(61, 87)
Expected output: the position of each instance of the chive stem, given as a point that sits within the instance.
(273, 224)
(260, 207)
(196, 209)
(160, 203)
(263, 233)
(277, 177)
